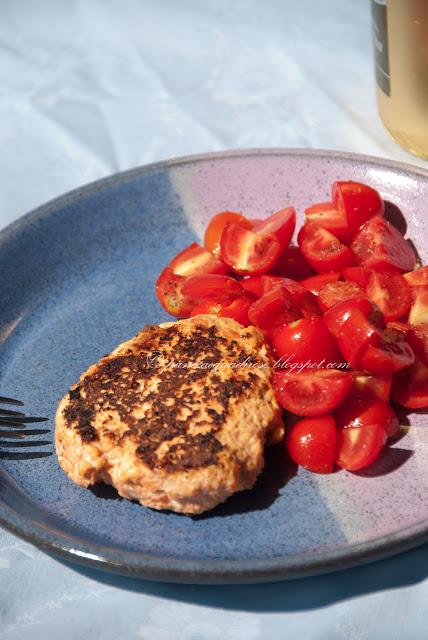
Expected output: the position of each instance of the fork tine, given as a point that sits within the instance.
(9, 412)
(12, 434)
(10, 423)
(17, 421)
(24, 455)
(22, 434)
(5, 400)
(24, 444)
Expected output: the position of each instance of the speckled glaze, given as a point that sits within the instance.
(77, 277)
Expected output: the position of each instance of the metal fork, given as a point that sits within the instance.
(13, 427)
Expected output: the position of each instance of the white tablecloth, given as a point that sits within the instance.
(88, 88)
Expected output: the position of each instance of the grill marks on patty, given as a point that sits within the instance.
(173, 398)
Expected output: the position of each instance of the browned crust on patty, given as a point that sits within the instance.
(171, 420)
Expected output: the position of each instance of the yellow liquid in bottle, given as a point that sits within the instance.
(404, 111)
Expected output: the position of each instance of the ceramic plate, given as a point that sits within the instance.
(77, 278)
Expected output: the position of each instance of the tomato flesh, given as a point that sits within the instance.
(304, 300)
(311, 443)
(292, 264)
(273, 308)
(169, 293)
(390, 292)
(364, 423)
(355, 336)
(359, 275)
(323, 251)
(361, 411)
(410, 387)
(312, 393)
(372, 387)
(211, 286)
(359, 447)
(314, 284)
(391, 353)
(237, 309)
(336, 316)
(252, 285)
(419, 310)
(335, 292)
(270, 282)
(378, 352)
(215, 228)
(247, 252)
(259, 285)
(304, 343)
(417, 278)
(379, 245)
(281, 224)
(401, 327)
(356, 203)
(417, 337)
(195, 260)
(326, 215)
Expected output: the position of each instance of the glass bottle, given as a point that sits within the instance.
(400, 38)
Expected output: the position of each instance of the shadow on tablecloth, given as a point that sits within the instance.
(303, 594)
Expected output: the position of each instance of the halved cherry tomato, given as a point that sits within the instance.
(301, 297)
(336, 316)
(259, 285)
(364, 411)
(311, 443)
(248, 252)
(379, 245)
(378, 352)
(306, 343)
(359, 447)
(335, 292)
(410, 387)
(417, 337)
(195, 260)
(417, 278)
(211, 287)
(237, 309)
(372, 387)
(356, 335)
(311, 393)
(316, 283)
(391, 354)
(419, 309)
(292, 264)
(326, 215)
(273, 308)
(169, 293)
(390, 292)
(270, 282)
(304, 300)
(252, 285)
(359, 275)
(215, 229)
(178, 295)
(323, 251)
(281, 224)
(357, 203)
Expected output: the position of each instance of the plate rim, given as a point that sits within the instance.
(205, 571)
(43, 210)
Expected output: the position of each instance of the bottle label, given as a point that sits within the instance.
(380, 43)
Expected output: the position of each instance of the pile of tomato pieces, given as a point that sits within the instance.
(345, 312)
